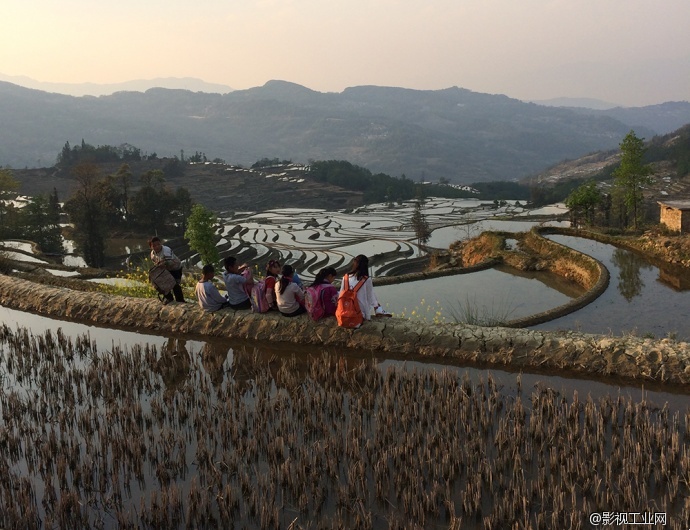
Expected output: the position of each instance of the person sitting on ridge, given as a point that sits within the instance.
(329, 292)
(272, 272)
(235, 283)
(365, 296)
(209, 296)
(289, 295)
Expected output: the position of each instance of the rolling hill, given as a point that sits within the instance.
(454, 133)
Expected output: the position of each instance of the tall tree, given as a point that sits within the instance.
(631, 176)
(201, 234)
(8, 190)
(420, 225)
(65, 156)
(123, 180)
(151, 203)
(182, 207)
(41, 223)
(89, 209)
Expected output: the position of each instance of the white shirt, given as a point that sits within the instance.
(365, 296)
(289, 301)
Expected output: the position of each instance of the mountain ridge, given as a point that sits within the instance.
(103, 89)
(452, 133)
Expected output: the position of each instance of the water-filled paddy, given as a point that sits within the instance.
(444, 237)
(641, 298)
(23, 257)
(18, 245)
(488, 297)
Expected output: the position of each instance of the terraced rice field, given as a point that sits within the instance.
(310, 239)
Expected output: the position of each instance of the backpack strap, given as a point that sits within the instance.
(346, 281)
(360, 283)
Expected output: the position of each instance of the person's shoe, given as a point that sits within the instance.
(380, 312)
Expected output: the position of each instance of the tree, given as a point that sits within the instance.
(8, 189)
(40, 219)
(182, 207)
(151, 203)
(123, 180)
(8, 184)
(89, 209)
(630, 178)
(582, 203)
(420, 225)
(201, 234)
(65, 156)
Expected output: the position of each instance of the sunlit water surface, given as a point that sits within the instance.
(642, 298)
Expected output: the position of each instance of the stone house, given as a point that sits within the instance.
(675, 215)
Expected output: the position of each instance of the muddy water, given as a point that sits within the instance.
(642, 298)
(123, 429)
(175, 433)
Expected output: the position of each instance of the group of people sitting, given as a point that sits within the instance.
(284, 291)
(281, 290)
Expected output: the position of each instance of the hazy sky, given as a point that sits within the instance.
(631, 52)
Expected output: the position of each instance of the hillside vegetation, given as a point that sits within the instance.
(268, 183)
(604, 190)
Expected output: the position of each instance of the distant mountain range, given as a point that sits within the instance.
(454, 133)
(105, 89)
(586, 103)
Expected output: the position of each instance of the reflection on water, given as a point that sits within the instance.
(641, 299)
(213, 357)
(174, 363)
(629, 265)
(500, 294)
(676, 277)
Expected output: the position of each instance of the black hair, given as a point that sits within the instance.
(285, 278)
(153, 239)
(229, 262)
(360, 266)
(268, 267)
(321, 276)
(208, 269)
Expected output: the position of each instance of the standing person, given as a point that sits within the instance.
(272, 272)
(209, 296)
(359, 269)
(289, 295)
(235, 283)
(163, 256)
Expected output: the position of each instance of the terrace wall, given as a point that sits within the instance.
(628, 357)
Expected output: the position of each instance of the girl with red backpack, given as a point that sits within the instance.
(366, 298)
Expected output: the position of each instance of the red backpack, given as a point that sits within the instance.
(348, 313)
